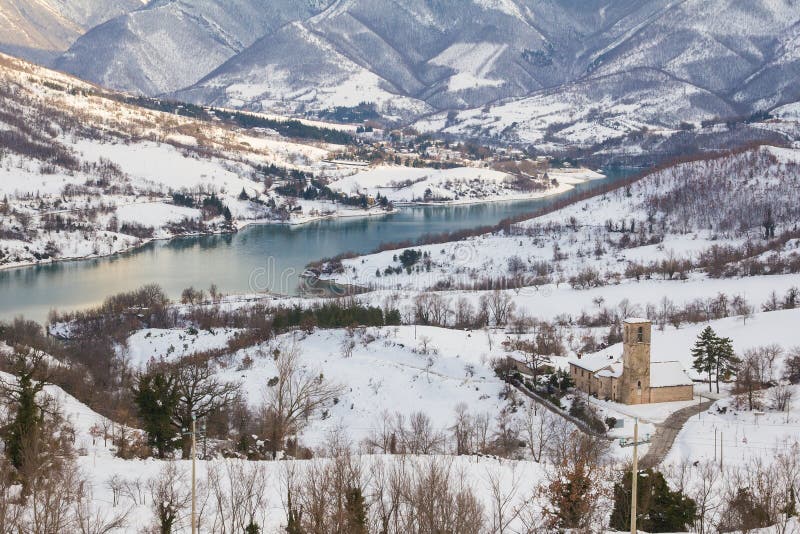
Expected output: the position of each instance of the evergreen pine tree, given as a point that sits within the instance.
(25, 414)
(704, 353)
(658, 509)
(156, 397)
(356, 511)
(725, 359)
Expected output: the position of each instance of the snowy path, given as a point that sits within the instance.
(666, 433)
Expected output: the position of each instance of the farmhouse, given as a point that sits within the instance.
(634, 379)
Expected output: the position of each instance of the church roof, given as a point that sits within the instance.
(613, 371)
(593, 362)
(665, 374)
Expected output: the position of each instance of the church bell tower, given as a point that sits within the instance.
(635, 381)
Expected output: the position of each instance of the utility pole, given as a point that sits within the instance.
(634, 474)
(635, 471)
(720, 450)
(194, 475)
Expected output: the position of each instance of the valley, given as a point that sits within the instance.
(399, 266)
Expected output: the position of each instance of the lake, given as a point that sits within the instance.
(259, 257)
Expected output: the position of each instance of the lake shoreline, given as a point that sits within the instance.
(239, 225)
(348, 214)
(272, 251)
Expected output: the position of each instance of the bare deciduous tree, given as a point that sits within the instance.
(238, 491)
(500, 305)
(293, 396)
(200, 393)
(504, 493)
(91, 519)
(538, 427)
(170, 495)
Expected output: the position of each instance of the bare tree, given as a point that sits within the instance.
(506, 434)
(383, 438)
(9, 509)
(780, 397)
(293, 396)
(626, 309)
(200, 393)
(438, 499)
(500, 306)
(482, 424)
(504, 496)
(742, 308)
(91, 519)
(464, 313)
(331, 496)
(701, 481)
(169, 498)
(420, 437)
(753, 375)
(463, 430)
(53, 484)
(238, 490)
(532, 355)
(538, 429)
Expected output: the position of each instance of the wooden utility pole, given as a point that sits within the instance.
(194, 475)
(635, 471)
(635, 474)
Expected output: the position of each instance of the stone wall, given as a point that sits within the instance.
(671, 394)
(582, 378)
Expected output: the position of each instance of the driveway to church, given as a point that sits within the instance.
(666, 432)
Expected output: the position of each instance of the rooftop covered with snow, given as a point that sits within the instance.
(667, 374)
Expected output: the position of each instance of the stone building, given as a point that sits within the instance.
(634, 379)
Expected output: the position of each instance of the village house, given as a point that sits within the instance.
(633, 379)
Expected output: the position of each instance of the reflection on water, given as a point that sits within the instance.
(270, 256)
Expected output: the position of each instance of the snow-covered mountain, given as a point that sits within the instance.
(43, 29)
(170, 44)
(614, 66)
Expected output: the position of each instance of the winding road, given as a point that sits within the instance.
(666, 432)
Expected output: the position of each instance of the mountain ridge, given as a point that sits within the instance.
(452, 62)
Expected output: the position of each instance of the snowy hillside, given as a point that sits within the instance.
(94, 174)
(432, 372)
(664, 226)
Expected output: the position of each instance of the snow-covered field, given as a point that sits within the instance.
(431, 369)
(455, 186)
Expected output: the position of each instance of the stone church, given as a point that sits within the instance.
(635, 379)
